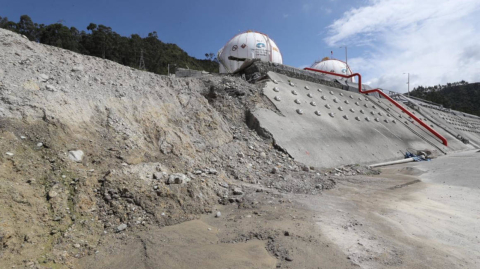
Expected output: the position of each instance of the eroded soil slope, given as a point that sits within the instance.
(92, 151)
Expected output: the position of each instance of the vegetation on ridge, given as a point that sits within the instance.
(101, 41)
(460, 96)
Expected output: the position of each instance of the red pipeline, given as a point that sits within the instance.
(444, 140)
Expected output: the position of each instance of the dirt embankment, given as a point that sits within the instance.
(92, 152)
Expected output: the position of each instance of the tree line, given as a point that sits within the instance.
(461, 96)
(101, 41)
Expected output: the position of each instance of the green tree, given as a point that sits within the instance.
(460, 96)
(27, 28)
(6, 24)
(61, 36)
(102, 41)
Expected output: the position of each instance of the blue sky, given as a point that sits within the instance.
(436, 41)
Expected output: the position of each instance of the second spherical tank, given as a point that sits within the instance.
(333, 66)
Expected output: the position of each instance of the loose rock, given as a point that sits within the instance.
(159, 175)
(52, 194)
(177, 178)
(50, 88)
(121, 227)
(43, 77)
(237, 191)
(77, 68)
(75, 155)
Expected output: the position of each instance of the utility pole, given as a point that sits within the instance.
(142, 62)
(408, 84)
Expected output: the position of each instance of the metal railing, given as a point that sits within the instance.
(444, 140)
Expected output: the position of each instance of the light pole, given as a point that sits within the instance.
(346, 58)
(408, 83)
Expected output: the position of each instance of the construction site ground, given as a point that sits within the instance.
(414, 215)
(107, 166)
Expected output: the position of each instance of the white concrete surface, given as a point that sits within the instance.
(351, 129)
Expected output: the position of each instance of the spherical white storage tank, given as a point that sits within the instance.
(249, 44)
(334, 66)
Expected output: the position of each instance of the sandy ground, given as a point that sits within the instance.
(277, 233)
(415, 215)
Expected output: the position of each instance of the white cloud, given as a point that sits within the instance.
(286, 16)
(436, 41)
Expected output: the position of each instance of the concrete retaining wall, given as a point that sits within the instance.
(460, 126)
(325, 126)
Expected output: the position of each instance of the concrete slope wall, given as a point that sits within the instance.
(454, 123)
(454, 144)
(348, 127)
